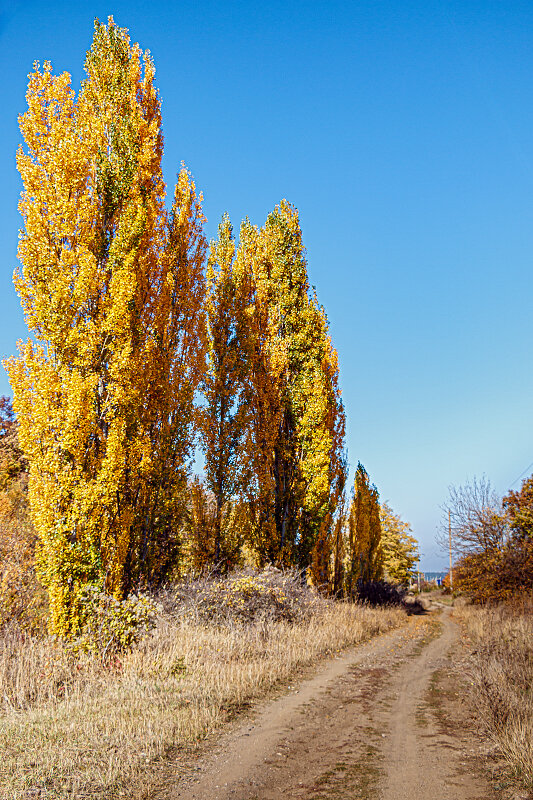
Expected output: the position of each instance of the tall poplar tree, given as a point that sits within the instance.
(364, 532)
(321, 431)
(225, 415)
(296, 437)
(111, 287)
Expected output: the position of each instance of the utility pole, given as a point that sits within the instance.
(450, 538)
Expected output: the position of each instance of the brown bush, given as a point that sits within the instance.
(245, 597)
(500, 575)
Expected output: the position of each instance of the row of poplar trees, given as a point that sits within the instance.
(145, 341)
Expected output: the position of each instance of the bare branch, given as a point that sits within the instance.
(475, 514)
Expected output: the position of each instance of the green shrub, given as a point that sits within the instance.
(109, 626)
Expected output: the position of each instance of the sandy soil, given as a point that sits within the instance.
(385, 720)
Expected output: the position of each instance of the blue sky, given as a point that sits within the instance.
(403, 132)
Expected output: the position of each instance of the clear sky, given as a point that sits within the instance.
(403, 132)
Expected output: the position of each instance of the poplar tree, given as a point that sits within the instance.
(296, 436)
(326, 569)
(111, 286)
(265, 359)
(321, 432)
(364, 532)
(225, 414)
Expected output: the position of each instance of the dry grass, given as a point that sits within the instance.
(74, 727)
(502, 674)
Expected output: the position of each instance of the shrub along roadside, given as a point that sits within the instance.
(246, 597)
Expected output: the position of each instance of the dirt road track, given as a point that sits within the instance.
(370, 724)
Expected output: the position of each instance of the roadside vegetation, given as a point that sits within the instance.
(146, 344)
(501, 671)
(95, 724)
(492, 540)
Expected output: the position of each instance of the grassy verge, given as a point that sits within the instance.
(73, 726)
(502, 677)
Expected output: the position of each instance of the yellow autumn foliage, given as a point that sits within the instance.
(365, 556)
(111, 287)
(399, 549)
(127, 329)
(295, 440)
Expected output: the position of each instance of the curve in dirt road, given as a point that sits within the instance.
(368, 725)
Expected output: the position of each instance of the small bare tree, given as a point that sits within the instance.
(475, 514)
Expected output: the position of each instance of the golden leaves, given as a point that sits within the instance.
(294, 442)
(128, 327)
(106, 402)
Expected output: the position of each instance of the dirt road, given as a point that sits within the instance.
(383, 721)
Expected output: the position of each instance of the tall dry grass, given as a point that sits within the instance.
(73, 726)
(502, 675)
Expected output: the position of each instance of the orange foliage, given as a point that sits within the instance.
(504, 572)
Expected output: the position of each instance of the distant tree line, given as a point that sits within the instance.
(492, 540)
